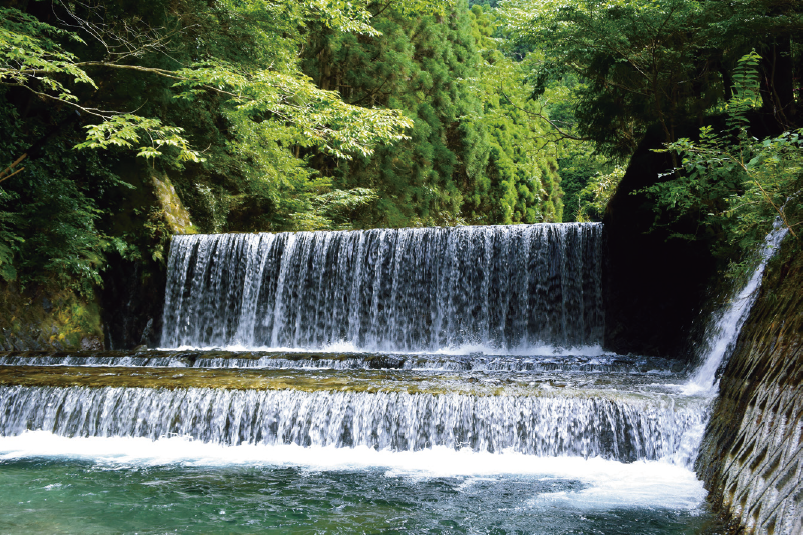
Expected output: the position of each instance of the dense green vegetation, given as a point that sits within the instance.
(733, 181)
(324, 114)
(472, 157)
(264, 115)
(681, 66)
(211, 95)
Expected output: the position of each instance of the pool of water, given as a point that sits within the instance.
(53, 484)
(267, 442)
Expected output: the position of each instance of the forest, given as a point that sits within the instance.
(127, 122)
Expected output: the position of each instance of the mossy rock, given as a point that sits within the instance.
(38, 319)
(176, 216)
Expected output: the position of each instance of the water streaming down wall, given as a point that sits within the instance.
(385, 289)
(725, 325)
(622, 428)
(751, 459)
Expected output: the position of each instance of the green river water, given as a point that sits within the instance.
(72, 496)
(91, 465)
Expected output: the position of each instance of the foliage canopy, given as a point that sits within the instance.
(273, 115)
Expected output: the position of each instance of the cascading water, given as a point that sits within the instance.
(348, 361)
(617, 427)
(471, 352)
(400, 290)
(388, 290)
(725, 326)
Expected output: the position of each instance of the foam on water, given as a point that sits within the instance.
(343, 346)
(480, 302)
(605, 483)
(320, 361)
(626, 428)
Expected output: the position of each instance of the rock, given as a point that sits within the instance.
(18, 344)
(654, 285)
(177, 217)
(146, 333)
(91, 343)
(131, 303)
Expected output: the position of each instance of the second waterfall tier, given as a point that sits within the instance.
(427, 289)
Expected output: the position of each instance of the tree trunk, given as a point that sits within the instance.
(777, 82)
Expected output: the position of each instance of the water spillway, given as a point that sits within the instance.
(467, 358)
(472, 362)
(617, 412)
(394, 290)
(406, 301)
(623, 428)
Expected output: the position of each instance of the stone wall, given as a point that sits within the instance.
(751, 459)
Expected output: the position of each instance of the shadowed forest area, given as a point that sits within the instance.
(127, 122)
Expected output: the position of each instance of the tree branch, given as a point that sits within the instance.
(563, 135)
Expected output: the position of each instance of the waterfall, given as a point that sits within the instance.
(388, 290)
(619, 427)
(427, 349)
(725, 326)
(408, 303)
(476, 362)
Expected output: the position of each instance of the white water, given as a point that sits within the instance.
(342, 346)
(725, 327)
(600, 363)
(405, 435)
(498, 287)
(612, 425)
(607, 483)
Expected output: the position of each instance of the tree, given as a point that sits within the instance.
(733, 181)
(473, 157)
(33, 58)
(665, 62)
(211, 93)
(521, 183)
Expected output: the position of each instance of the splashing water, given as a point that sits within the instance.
(405, 380)
(110, 485)
(610, 425)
